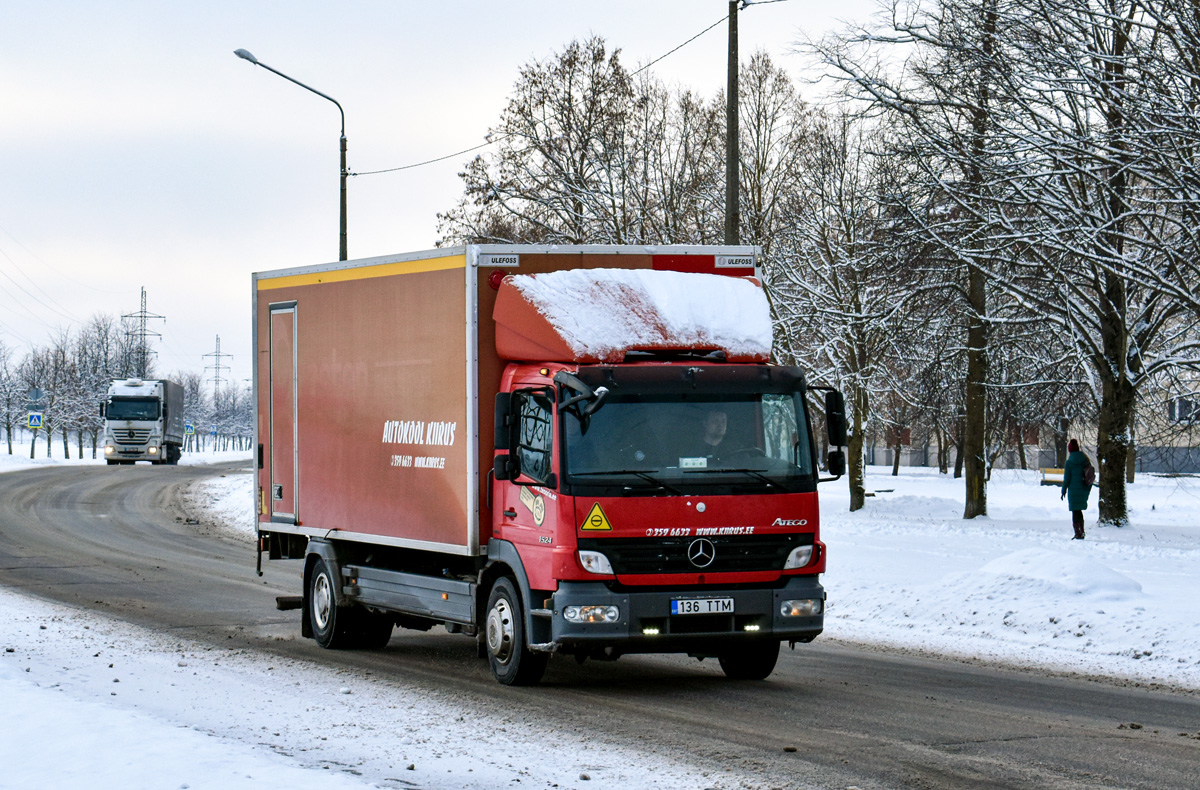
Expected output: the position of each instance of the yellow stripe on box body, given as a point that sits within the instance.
(365, 272)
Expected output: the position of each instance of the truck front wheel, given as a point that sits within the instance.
(512, 662)
(753, 661)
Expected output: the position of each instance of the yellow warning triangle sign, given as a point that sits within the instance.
(596, 519)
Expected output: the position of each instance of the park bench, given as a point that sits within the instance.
(1051, 476)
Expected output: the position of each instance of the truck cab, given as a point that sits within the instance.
(664, 505)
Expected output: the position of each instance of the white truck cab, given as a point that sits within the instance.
(143, 422)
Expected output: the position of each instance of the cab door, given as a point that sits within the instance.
(529, 505)
(284, 462)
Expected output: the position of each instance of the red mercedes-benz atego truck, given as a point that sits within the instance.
(582, 450)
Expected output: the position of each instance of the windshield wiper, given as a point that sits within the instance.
(636, 472)
(717, 470)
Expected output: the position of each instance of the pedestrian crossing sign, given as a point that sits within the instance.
(35, 419)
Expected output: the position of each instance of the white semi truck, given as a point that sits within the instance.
(143, 422)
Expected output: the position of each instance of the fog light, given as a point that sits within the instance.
(592, 614)
(800, 556)
(594, 562)
(649, 632)
(806, 607)
(751, 627)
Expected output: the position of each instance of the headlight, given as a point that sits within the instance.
(594, 562)
(109, 449)
(805, 607)
(800, 556)
(592, 614)
(153, 450)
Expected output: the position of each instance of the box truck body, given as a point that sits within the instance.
(143, 421)
(503, 440)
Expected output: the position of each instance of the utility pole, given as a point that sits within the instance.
(217, 367)
(733, 215)
(142, 333)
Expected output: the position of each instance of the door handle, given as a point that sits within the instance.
(510, 514)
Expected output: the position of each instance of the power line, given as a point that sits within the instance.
(51, 267)
(506, 136)
(30, 294)
(684, 44)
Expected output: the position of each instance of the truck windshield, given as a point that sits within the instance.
(133, 409)
(688, 443)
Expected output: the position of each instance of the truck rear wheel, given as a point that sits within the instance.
(331, 626)
(511, 660)
(346, 627)
(754, 661)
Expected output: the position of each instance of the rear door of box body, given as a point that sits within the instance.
(283, 417)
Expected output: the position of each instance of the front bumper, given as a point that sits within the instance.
(127, 452)
(646, 625)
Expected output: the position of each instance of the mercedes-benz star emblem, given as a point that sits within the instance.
(702, 552)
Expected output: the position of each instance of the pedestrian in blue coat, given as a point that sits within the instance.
(1074, 487)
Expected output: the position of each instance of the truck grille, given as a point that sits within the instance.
(131, 435)
(670, 555)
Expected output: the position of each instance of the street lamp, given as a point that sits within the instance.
(244, 55)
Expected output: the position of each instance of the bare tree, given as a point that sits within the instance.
(836, 276)
(943, 95)
(12, 394)
(556, 174)
(774, 129)
(1091, 200)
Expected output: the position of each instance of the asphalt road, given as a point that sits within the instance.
(115, 539)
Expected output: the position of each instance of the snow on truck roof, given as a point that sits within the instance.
(598, 315)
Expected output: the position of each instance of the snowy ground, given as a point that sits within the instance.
(907, 571)
(111, 705)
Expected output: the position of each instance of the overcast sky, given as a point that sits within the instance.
(137, 150)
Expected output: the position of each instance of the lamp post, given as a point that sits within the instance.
(244, 55)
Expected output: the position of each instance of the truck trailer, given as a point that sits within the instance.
(579, 450)
(143, 421)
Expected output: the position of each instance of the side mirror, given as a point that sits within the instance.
(101, 408)
(594, 406)
(835, 419)
(836, 463)
(502, 469)
(500, 440)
